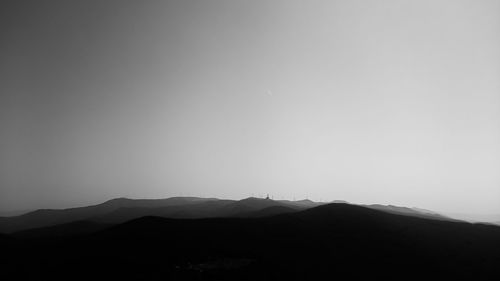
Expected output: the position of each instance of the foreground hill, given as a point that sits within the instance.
(77, 228)
(334, 241)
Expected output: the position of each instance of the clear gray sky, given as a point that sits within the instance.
(392, 102)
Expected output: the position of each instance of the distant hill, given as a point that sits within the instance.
(76, 228)
(122, 209)
(252, 204)
(344, 241)
(415, 212)
(14, 213)
(271, 211)
(306, 203)
(207, 209)
(340, 201)
(48, 217)
(487, 218)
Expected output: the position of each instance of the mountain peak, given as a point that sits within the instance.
(255, 199)
(119, 199)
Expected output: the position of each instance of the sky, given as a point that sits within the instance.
(391, 102)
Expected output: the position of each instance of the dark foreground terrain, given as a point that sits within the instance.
(328, 242)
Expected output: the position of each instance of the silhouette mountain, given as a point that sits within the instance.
(333, 240)
(49, 217)
(271, 211)
(415, 212)
(305, 203)
(194, 210)
(207, 209)
(61, 230)
(122, 209)
(471, 217)
(252, 204)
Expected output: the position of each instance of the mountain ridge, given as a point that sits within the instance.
(119, 210)
(312, 243)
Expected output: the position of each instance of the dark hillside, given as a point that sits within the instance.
(337, 241)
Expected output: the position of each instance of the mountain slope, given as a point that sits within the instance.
(194, 210)
(333, 240)
(415, 212)
(122, 209)
(271, 211)
(47, 217)
(77, 228)
(252, 204)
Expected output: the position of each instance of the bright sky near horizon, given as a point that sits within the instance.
(392, 102)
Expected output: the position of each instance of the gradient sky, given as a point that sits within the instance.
(392, 102)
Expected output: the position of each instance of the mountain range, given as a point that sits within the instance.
(256, 239)
(120, 210)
